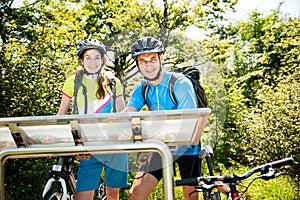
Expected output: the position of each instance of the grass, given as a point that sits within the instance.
(280, 188)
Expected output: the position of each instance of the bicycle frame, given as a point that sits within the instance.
(233, 192)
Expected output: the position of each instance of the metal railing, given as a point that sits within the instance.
(44, 136)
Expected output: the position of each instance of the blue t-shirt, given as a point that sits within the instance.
(158, 98)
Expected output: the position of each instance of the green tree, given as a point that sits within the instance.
(34, 58)
(37, 54)
(262, 82)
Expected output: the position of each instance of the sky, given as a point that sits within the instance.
(246, 6)
(243, 8)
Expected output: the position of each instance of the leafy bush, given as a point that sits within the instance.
(26, 178)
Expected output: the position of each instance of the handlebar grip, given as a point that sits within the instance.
(283, 162)
(189, 181)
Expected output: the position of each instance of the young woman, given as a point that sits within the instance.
(91, 94)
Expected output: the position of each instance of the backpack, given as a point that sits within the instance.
(78, 83)
(193, 74)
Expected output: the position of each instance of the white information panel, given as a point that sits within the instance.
(102, 133)
(173, 127)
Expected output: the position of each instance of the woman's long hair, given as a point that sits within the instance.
(102, 85)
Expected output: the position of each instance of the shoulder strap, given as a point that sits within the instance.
(145, 89)
(174, 78)
(77, 84)
(112, 85)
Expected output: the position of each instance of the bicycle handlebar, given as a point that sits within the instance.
(235, 178)
(281, 163)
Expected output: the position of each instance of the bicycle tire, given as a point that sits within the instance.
(52, 194)
(101, 192)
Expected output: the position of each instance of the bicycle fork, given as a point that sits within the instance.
(61, 167)
(65, 195)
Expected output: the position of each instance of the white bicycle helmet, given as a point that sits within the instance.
(89, 44)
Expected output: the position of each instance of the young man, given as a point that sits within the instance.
(147, 53)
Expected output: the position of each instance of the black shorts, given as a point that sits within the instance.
(189, 166)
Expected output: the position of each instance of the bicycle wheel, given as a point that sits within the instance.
(101, 192)
(52, 194)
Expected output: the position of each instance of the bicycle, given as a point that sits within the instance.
(207, 152)
(62, 182)
(208, 183)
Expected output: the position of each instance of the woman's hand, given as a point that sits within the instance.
(83, 156)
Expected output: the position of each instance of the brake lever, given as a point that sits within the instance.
(269, 175)
(205, 187)
(199, 190)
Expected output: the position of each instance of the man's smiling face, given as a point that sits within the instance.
(149, 64)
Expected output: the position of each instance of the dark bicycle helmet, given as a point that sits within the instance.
(146, 45)
(89, 44)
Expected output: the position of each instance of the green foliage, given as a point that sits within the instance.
(262, 83)
(35, 59)
(25, 178)
(274, 123)
(279, 188)
(258, 59)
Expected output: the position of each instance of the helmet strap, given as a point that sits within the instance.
(155, 78)
(88, 73)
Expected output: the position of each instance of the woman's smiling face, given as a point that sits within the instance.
(92, 60)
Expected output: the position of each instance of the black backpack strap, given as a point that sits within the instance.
(145, 89)
(201, 96)
(174, 78)
(112, 85)
(77, 84)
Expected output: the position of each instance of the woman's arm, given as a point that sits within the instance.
(120, 103)
(64, 105)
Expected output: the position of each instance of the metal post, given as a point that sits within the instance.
(46, 151)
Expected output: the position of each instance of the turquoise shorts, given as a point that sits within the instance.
(115, 176)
